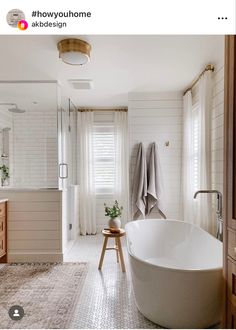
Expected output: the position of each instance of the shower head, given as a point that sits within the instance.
(16, 109)
(5, 129)
(13, 109)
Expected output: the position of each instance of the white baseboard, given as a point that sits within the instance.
(35, 257)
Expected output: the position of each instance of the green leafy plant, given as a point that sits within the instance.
(4, 172)
(114, 211)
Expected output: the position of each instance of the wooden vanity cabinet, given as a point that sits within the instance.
(3, 232)
(229, 240)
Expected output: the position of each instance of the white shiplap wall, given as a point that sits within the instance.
(35, 162)
(34, 225)
(218, 128)
(157, 117)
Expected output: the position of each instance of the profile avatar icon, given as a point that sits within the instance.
(16, 19)
(14, 16)
(16, 313)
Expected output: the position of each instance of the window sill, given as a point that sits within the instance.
(104, 194)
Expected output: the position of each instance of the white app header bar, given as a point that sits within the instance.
(117, 17)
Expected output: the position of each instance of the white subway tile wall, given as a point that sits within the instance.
(35, 150)
(6, 120)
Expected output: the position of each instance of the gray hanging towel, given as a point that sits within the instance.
(155, 192)
(139, 193)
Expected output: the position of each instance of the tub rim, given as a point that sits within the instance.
(190, 270)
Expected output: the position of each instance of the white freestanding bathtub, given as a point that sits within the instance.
(176, 271)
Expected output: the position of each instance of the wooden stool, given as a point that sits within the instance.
(118, 248)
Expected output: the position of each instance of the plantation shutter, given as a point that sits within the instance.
(104, 158)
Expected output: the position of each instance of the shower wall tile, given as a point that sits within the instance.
(6, 120)
(35, 162)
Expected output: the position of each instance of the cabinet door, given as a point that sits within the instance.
(231, 316)
(2, 245)
(232, 243)
(229, 207)
(232, 282)
(2, 226)
(230, 132)
(2, 209)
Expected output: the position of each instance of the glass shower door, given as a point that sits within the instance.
(68, 169)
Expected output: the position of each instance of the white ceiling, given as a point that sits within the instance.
(119, 64)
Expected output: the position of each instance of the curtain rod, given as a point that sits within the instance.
(84, 110)
(209, 67)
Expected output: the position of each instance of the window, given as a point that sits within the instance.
(104, 158)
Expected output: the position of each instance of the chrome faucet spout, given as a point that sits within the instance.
(218, 210)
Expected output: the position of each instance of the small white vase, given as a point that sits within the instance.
(114, 223)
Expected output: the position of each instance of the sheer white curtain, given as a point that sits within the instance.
(187, 161)
(121, 188)
(86, 174)
(204, 201)
(197, 156)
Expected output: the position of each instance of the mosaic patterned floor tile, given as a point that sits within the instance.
(107, 299)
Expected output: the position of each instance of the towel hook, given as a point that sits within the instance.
(167, 143)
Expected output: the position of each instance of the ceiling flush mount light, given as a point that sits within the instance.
(74, 51)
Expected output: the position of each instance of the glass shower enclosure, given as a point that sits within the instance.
(38, 144)
(67, 137)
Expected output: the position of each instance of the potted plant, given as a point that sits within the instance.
(4, 174)
(114, 213)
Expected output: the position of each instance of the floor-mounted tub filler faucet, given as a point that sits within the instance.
(219, 217)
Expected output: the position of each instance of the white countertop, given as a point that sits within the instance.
(3, 200)
(27, 189)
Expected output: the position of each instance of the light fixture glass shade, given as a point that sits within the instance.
(74, 51)
(74, 58)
